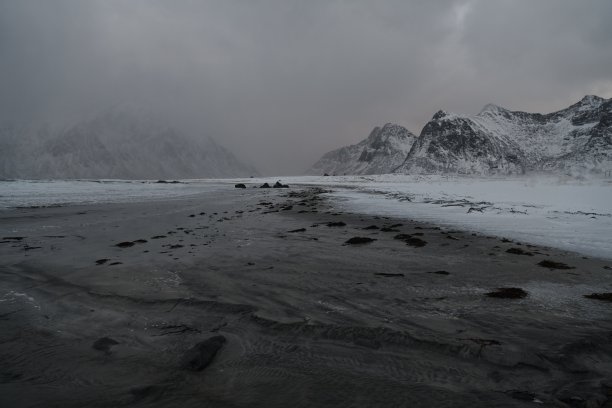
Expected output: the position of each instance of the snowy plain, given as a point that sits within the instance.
(560, 212)
(566, 213)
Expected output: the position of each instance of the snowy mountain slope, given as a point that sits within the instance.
(115, 145)
(496, 140)
(381, 152)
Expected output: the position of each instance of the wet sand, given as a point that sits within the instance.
(411, 317)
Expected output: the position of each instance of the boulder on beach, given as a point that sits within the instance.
(239, 185)
(201, 355)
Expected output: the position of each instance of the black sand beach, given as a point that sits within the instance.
(264, 298)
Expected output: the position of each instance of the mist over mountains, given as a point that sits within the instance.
(114, 144)
(575, 140)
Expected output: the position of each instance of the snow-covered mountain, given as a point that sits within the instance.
(381, 152)
(115, 144)
(577, 139)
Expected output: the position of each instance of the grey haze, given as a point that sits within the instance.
(282, 82)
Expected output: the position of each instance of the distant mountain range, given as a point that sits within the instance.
(115, 144)
(574, 140)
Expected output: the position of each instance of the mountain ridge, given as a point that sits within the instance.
(114, 144)
(575, 140)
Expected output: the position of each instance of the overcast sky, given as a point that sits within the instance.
(282, 82)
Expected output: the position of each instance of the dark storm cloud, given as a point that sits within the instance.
(281, 82)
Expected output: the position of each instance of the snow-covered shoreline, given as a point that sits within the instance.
(566, 213)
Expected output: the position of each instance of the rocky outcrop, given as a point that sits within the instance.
(381, 152)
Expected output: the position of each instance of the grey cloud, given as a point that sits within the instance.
(282, 82)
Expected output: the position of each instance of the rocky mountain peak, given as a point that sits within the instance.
(439, 115)
(592, 100)
(381, 152)
(493, 109)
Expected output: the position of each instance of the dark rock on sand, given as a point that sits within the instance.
(606, 296)
(140, 241)
(402, 237)
(115, 263)
(508, 293)
(239, 185)
(518, 251)
(415, 242)
(278, 184)
(265, 185)
(201, 355)
(410, 240)
(298, 230)
(158, 237)
(101, 261)
(371, 227)
(104, 344)
(125, 244)
(440, 272)
(554, 265)
(388, 229)
(359, 240)
(389, 275)
(336, 224)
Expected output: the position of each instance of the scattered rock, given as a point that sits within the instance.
(158, 237)
(101, 261)
(201, 355)
(104, 344)
(298, 230)
(440, 272)
(518, 251)
(278, 184)
(140, 241)
(265, 185)
(508, 293)
(336, 224)
(371, 227)
(388, 229)
(410, 240)
(606, 296)
(125, 244)
(13, 238)
(389, 275)
(402, 237)
(554, 265)
(115, 263)
(359, 240)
